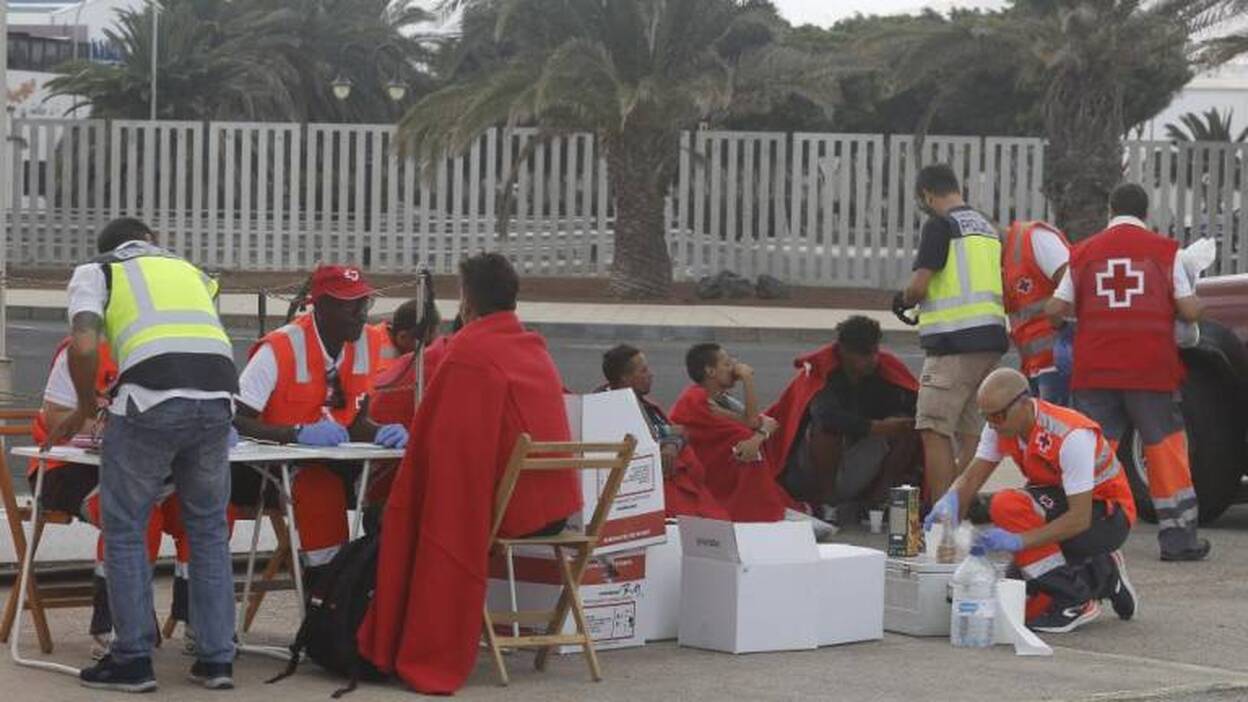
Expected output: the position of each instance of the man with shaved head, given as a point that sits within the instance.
(1066, 524)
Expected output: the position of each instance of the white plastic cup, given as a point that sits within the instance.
(877, 521)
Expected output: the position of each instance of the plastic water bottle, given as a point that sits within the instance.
(974, 609)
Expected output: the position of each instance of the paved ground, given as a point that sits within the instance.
(1187, 644)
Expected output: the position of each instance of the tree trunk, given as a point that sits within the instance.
(1085, 126)
(640, 165)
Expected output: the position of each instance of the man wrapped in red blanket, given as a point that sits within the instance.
(727, 435)
(495, 382)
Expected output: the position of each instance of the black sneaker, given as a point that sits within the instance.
(1198, 552)
(131, 676)
(1060, 620)
(214, 676)
(1123, 598)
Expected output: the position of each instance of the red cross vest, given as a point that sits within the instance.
(302, 378)
(1124, 303)
(1027, 289)
(1041, 464)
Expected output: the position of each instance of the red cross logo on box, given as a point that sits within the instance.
(1119, 282)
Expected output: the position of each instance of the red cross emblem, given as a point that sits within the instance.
(1119, 282)
(1023, 285)
(1044, 441)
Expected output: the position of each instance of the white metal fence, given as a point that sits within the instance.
(816, 209)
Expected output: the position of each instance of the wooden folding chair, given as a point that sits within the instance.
(38, 598)
(529, 455)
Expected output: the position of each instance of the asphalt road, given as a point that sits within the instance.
(580, 360)
(31, 344)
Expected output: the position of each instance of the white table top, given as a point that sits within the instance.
(244, 452)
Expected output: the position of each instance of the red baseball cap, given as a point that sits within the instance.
(340, 283)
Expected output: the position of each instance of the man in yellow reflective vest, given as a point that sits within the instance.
(957, 285)
(170, 414)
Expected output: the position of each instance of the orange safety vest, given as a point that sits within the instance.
(1027, 289)
(303, 389)
(105, 376)
(379, 336)
(1041, 463)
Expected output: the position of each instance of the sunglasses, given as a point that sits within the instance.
(999, 416)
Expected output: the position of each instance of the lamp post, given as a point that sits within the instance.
(396, 87)
(155, 46)
(6, 191)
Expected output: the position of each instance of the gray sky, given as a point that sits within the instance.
(825, 12)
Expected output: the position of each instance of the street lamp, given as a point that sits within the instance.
(342, 87)
(396, 88)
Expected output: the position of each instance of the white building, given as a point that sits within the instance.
(44, 33)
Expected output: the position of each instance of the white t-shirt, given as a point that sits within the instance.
(1049, 251)
(259, 378)
(60, 388)
(1077, 457)
(1182, 286)
(88, 292)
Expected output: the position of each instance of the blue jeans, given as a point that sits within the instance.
(187, 438)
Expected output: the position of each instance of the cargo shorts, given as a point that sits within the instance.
(947, 388)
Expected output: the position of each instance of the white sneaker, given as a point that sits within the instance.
(100, 644)
(189, 647)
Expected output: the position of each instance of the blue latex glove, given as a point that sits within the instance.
(998, 539)
(391, 436)
(232, 440)
(945, 507)
(326, 432)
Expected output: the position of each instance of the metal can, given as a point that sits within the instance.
(905, 533)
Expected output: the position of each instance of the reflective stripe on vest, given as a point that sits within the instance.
(966, 292)
(153, 311)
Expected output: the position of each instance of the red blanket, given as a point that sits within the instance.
(684, 487)
(495, 382)
(749, 491)
(813, 370)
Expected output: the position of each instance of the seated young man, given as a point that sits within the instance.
(308, 383)
(847, 421)
(727, 435)
(684, 478)
(1065, 526)
(496, 382)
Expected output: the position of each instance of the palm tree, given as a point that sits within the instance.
(1101, 66)
(636, 73)
(1212, 125)
(253, 60)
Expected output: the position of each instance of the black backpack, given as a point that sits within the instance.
(336, 605)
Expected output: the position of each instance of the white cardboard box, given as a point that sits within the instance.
(661, 615)
(916, 596)
(747, 587)
(851, 594)
(612, 594)
(636, 518)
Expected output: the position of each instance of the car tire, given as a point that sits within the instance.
(1215, 448)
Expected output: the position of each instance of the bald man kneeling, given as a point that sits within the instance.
(1066, 524)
